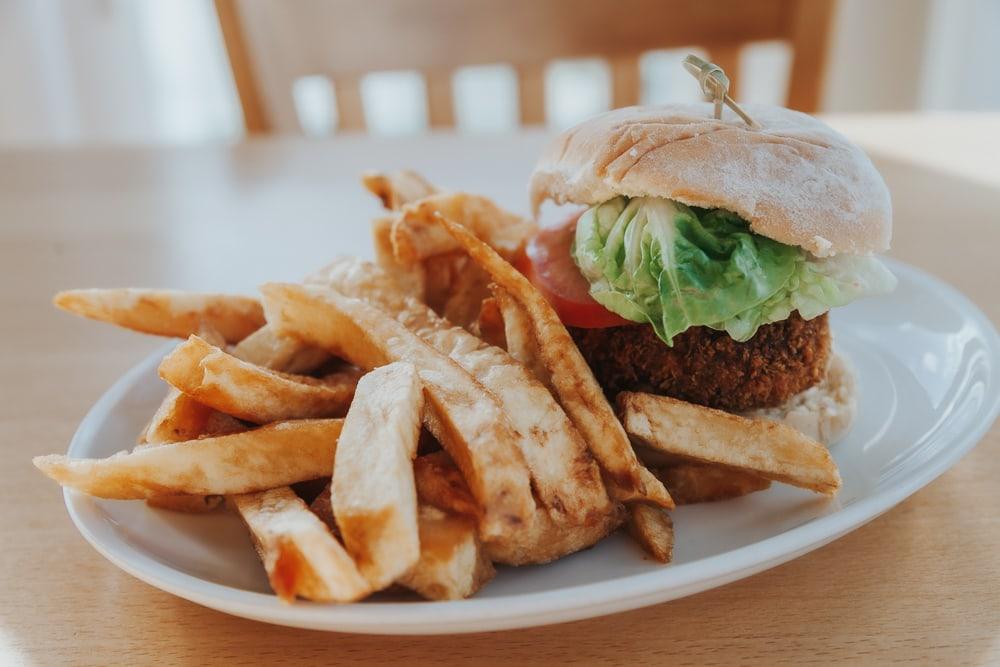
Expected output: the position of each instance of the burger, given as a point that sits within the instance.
(706, 253)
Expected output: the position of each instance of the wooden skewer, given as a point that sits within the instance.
(715, 86)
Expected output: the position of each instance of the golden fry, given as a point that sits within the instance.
(690, 483)
(767, 449)
(461, 413)
(264, 458)
(397, 189)
(373, 494)
(249, 392)
(300, 554)
(568, 376)
(166, 312)
(453, 564)
(653, 529)
(264, 348)
(566, 478)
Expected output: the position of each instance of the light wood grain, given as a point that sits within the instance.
(271, 44)
(920, 584)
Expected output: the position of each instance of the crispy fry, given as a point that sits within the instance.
(186, 504)
(181, 418)
(322, 507)
(300, 554)
(397, 189)
(440, 484)
(469, 287)
(287, 355)
(252, 393)
(411, 279)
(568, 376)
(264, 458)
(566, 478)
(490, 325)
(416, 235)
(690, 483)
(517, 331)
(653, 529)
(462, 415)
(771, 450)
(373, 495)
(453, 563)
(166, 312)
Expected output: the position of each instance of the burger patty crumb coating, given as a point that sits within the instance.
(708, 367)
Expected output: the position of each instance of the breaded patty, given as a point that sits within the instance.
(708, 367)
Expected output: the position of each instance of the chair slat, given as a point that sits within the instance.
(727, 56)
(626, 83)
(810, 34)
(350, 109)
(440, 99)
(531, 94)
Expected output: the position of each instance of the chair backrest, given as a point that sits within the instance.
(271, 44)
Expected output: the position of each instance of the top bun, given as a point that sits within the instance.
(793, 178)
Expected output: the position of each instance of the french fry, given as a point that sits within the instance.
(566, 478)
(249, 392)
(653, 529)
(397, 189)
(440, 484)
(517, 331)
(322, 506)
(186, 504)
(490, 325)
(300, 554)
(440, 275)
(373, 494)
(264, 348)
(453, 564)
(559, 363)
(179, 418)
(264, 458)
(411, 279)
(690, 483)
(462, 414)
(166, 312)
(416, 235)
(469, 288)
(767, 449)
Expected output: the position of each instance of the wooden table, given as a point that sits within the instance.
(922, 583)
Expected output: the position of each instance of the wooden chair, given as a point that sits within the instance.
(271, 44)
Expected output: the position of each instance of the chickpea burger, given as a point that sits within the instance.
(708, 254)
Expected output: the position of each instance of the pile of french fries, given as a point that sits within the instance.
(438, 397)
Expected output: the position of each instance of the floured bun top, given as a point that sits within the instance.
(793, 178)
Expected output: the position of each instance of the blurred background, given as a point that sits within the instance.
(195, 71)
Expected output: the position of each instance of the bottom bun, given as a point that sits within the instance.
(823, 412)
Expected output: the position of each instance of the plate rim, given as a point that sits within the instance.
(559, 605)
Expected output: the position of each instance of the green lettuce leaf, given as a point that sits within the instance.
(661, 262)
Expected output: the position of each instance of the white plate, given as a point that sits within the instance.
(927, 361)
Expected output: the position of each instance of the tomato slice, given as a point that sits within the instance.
(548, 264)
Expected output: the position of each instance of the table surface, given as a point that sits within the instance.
(921, 583)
